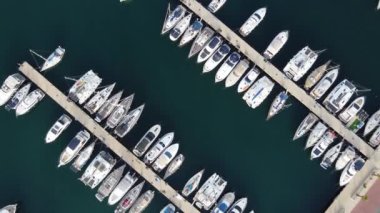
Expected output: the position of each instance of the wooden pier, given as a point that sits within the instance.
(99, 132)
(278, 76)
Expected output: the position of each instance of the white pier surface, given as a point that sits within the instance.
(98, 131)
(278, 76)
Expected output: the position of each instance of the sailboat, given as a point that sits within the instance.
(53, 59)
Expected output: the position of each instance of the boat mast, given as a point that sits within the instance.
(71, 79)
(31, 51)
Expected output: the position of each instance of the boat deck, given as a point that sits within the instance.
(98, 131)
(279, 77)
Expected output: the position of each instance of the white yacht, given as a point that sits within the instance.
(350, 170)
(227, 66)
(58, 127)
(180, 27)
(339, 96)
(352, 110)
(317, 132)
(53, 59)
(9, 209)
(191, 32)
(18, 97)
(216, 58)
(30, 101)
(128, 122)
(372, 123)
(316, 75)
(142, 202)
(158, 147)
(73, 148)
(224, 203)
(120, 111)
(239, 206)
(107, 108)
(215, 5)
(83, 157)
(300, 63)
(110, 183)
(322, 144)
(174, 165)
(209, 192)
(347, 155)
(147, 140)
(165, 157)
(173, 18)
(84, 87)
(129, 199)
(258, 92)
(305, 125)
(192, 184)
(122, 188)
(375, 138)
(253, 21)
(98, 169)
(94, 104)
(237, 73)
(276, 45)
(209, 49)
(10, 86)
(331, 155)
(324, 84)
(278, 104)
(203, 37)
(248, 79)
(170, 208)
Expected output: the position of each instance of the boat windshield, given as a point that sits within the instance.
(150, 136)
(169, 155)
(74, 143)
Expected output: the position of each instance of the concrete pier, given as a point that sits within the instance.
(278, 76)
(99, 132)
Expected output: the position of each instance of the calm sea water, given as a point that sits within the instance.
(216, 130)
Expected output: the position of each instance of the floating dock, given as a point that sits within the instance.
(99, 132)
(279, 77)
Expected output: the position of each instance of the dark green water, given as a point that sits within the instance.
(216, 129)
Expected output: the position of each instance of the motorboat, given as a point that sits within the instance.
(239, 206)
(215, 5)
(9, 209)
(165, 157)
(345, 157)
(253, 21)
(216, 58)
(375, 138)
(147, 140)
(209, 49)
(322, 144)
(10, 86)
(352, 110)
(224, 203)
(324, 84)
(227, 66)
(276, 45)
(18, 97)
(29, 102)
(350, 170)
(248, 79)
(170, 208)
(73, 148)
(158, 147)
(58, 127)
(237, 73)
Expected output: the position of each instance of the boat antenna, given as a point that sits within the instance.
(361, 88)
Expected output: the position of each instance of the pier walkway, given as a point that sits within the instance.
(99, 132)
(278, 76)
